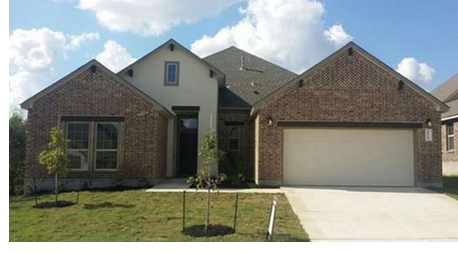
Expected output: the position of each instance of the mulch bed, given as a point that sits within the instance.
(54, 204)
(212, 230)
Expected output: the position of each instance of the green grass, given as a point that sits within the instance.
(451, 186)
(138, 216)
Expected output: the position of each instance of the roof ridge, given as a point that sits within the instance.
(255, 56)
(218, 52)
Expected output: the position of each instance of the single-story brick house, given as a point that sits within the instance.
(350, 120)
(448, 93)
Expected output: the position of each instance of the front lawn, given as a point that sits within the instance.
(138, 216)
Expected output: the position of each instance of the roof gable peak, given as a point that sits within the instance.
(351, 46)
(171, 43)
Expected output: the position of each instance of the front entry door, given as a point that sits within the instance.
(187, 145)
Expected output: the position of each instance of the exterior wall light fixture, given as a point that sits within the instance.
(428, 123)
(270, 121)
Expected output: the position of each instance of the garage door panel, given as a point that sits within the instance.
(360, 157)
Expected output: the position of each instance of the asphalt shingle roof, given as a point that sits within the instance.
(254, 82)
(453, 109)
(443, 91)
(447, 88)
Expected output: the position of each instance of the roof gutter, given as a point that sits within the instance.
(450, 117)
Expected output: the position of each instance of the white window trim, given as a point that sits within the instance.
(117, 150)
(229, 138)
(76, 150)
(450, 136)
(166, 73)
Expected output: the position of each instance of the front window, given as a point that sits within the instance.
(171, 73)
(450, 137)
(106, 146)
(78, 145)
(234, 138)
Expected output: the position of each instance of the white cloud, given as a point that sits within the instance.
(151, 17)
(419, 73)
(114, 56)
(77, 40)
(288, 32)
(337, 35)
(32, 55)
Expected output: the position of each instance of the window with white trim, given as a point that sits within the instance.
(234, 138)
(106, 145)
(450, 137)
(78, 145)
(171, 73)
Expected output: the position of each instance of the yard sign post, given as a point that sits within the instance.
(236, 206)
(270, 226)
(184, 209)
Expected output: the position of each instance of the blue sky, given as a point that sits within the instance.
(421, 36)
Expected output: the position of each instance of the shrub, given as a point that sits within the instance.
(17, 142)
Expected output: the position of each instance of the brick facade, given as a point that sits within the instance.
(348, 89)
(143, 142)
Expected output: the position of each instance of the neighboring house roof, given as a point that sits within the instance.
(440, 106)
(447, 89)
(218, 73)
(453, 112)
(246, 86)
(29, 102)
(447, 93)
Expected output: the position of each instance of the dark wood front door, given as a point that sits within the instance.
(187, 145)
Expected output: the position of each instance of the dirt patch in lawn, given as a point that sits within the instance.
(212, 230)
(54, 204)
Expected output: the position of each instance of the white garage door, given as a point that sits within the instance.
(348, 157)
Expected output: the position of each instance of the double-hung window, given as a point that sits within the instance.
(106, 145)
(450, 137)
(234, 138)
(78, 145)
(171, 73)
(93, 145)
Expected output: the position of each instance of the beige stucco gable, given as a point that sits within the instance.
(198, 84)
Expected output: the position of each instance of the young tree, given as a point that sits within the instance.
(54, 158)
(210, 156)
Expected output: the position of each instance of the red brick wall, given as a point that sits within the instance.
(349, 89)
(143, 134)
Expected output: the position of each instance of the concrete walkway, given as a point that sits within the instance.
(251, 190)
(180, 185)
(375, 214)
(172, 184)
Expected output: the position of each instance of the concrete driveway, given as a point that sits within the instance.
(375, 214)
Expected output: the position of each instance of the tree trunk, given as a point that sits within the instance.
(56, 186)
(207, 213)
